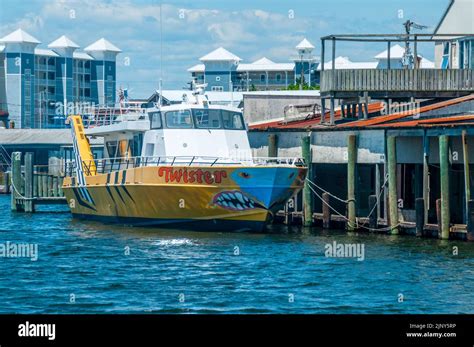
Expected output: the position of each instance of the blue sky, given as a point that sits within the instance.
(249, 28)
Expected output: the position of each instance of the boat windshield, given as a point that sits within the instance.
(207, 118)
(179, 119)
(232, 120)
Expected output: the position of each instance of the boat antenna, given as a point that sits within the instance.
(161, 55)
(408, 58)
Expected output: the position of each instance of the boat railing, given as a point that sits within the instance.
(107, 165)
(102, 115)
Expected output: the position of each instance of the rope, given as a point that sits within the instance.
(329, 193)
(389, 228)
(18, 192)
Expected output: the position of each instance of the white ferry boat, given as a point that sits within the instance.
(180, 166)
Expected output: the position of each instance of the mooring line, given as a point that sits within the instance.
(389, 228)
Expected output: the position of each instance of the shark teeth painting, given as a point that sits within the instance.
(235, 200)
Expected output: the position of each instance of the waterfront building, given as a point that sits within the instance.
(456, 52)
(223, 71)
(39, 87)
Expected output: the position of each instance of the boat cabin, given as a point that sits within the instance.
(185, 130)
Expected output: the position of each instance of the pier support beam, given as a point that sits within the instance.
(392, 184)
(444, 177)
(467, 179)
(307, 198)
(326, 211)
(426, 176)
(28, 203)
(420, 216)
(351, 167)
(470, 220)
(16, 180)
(331, 115)
(272, 146)
(438, 215)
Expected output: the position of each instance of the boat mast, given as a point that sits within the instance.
(161, 56)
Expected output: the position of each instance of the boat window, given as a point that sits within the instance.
(155, 120)
(123, 149)
(207, 118)
(232, 120)
(149, 149)
(179, 119)
(137, 145)
(111, 148)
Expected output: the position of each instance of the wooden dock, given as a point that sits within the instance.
(32, 185)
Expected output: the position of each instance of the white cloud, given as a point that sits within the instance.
(187, 34)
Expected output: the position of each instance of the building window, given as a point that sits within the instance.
(27, 99)
(262, 78)
(217, 88)
(465, 54)
(218, 78)
(278, 78)
(446, 51)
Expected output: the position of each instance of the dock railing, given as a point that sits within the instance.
(107, 165)
(397, 80)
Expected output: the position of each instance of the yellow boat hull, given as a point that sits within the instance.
(193, 197)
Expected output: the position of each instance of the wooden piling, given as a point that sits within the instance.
(326, 211)
(426, 176)
(35, 184)
(392, 184)
(15, 180)
(467, 180)
(351, 167)
(272, 146)
(373, 222)
(28, 201)
(438, 215)
(44, 179)
(307, 198)
(420, 216)
(55, 186)
(470, 220)
(40, 185)
(50, 185)
(444, 178)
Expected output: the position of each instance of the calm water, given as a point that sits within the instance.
(169, 271)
